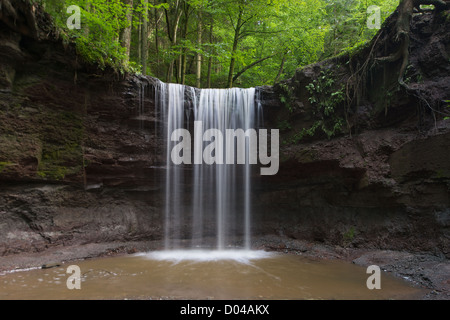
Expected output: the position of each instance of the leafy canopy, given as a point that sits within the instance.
(258, 42)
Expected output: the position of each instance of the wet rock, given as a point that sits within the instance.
(51, 265)
(426, 270)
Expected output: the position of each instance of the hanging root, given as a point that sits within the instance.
(404, 49)
(359, 77)
(403, 25)
(405, 11)
(402, 39)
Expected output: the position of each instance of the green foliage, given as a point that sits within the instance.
(347, 27)
(292, 29)
(448, 107)
(325, 96)
(101, 23)
(306, 132)
(284, 125)
(446, 14)
(289, 31)
(325, 99)
(427, 7)
(349, 236)
(287, 96)
(273, 39)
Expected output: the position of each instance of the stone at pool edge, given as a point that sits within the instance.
(51, 265)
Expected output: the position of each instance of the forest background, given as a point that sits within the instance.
(215, 43)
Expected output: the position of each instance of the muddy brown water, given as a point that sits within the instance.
(146, 276)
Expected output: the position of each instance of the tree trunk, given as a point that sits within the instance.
(237, 32)
(210, 59)
(86, 26)
(182, 73)
(144, 44)
(158, 61)
(139, 51)
(172, 33)
(403, 26)
(198, 82)
(280, 71)
(180, 67)
(125, 37)
(251, 65)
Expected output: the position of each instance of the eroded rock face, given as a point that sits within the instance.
(372, 190)
(36, 217)
(81, 159)
(383, 180)
(70, 136)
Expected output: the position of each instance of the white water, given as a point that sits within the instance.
(207, 200)
(176, 256)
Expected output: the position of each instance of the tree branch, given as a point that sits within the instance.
(251, 66)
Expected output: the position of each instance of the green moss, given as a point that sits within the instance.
(53, 173)
(62, 134)
(357, 48)
(447, 15)
(442, 174)
(4, 165)
(306, 155)
(349, 236)
(58, 161)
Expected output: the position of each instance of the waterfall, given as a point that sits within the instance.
(141, 109)
(205, 200)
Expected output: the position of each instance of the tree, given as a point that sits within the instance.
(242, 13)
(219, 42)
(402, 30)
(187, 9)
(289, 35)
(173, 16)
(210, 58)
(198, 73)
(125, 37)
(144, 37)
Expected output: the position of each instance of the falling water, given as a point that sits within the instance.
(204, 201)
(141, 109)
